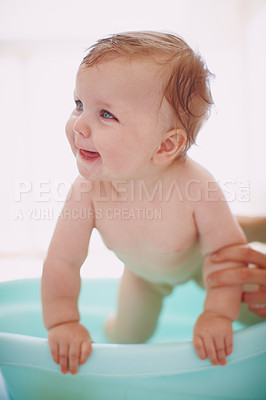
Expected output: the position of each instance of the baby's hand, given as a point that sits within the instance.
(70, 345)
(213, 337)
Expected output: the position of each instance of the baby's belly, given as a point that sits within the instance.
(171, 269)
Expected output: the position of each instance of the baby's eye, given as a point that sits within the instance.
(79, 105)
(107, 115)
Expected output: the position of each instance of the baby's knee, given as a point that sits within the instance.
(126, 334)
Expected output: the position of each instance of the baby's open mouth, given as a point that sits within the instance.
(89, 155)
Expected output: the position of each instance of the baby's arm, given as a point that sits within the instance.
(69, 341)
(213, 334)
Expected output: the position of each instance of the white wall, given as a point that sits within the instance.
(41, 46)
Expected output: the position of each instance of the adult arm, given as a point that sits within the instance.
(255, 299)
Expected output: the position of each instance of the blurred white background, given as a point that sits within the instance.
(41, 46)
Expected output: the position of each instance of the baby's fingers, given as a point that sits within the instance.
(54, 348)
(199, 347)
(86, 349)
(63, 357)
(228, 344)
(211, 350)
(74, 352)
(220, 350)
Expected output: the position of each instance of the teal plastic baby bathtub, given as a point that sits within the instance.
(166, 368)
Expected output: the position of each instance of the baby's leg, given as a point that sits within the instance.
(139, 306)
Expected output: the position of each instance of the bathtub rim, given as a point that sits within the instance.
(130, 360)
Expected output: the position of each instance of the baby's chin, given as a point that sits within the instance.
(89, 170)
(94, 169)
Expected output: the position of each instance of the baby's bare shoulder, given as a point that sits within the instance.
(195, 171)
(194, 180)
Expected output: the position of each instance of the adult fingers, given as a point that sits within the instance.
(257, 297)
(256, 301)
(240, 253)
(258, 309)
(237, 276)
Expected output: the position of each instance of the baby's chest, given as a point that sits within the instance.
(143, 227)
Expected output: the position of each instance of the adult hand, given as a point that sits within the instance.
(256, 299)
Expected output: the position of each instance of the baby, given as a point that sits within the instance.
(140, 100)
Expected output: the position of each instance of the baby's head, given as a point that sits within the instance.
(185, 75)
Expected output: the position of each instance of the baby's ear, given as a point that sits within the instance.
(172, 144)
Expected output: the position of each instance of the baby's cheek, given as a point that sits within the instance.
(70, 135)
(69, 129)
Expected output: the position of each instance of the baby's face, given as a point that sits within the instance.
(119, 119)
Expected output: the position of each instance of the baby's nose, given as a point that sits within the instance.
(81, 127)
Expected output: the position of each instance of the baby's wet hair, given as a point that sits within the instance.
(187, 77)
